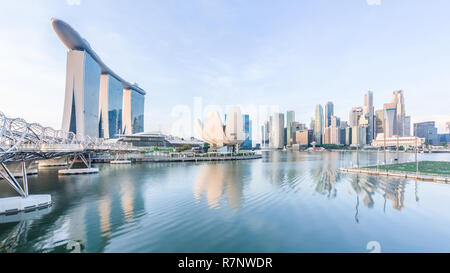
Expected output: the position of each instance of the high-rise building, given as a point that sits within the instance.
(234, 129)
(304, 137)
(448, 127)
(428, 131)
(326, 137)
(277, 131)
(390, 119)
(111, 107)
(247, 144)
(399, 101)
(335, 121)
(133, 111)
(369, 113)
(290, 135)
(354, 116)
(348, 136)
(295, 126)
(265, 130)
(342, 136)
(96, 100)
(359, 135)
(407, 126)
(379, 122)
(334, 135)
(329, 111)
(318, 130)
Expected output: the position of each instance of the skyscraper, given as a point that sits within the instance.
(329, 111)
(234, 129)
(247, 144)
(428, 131)
(277, 131)
(379, 122)
(390, 119)
(111, 106)
(265, 130)
(318, 130)
(448, 127)
(96, 100)
(399, 101)
(335, 121)
(407, 126)
(369, 113)
(290, 134)
(355, 114)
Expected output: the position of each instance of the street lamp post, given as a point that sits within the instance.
(384, 135)
(417, 150)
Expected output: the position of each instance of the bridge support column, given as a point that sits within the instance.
(24, 202)
(12, 181)
(87, 163)
(118, 159)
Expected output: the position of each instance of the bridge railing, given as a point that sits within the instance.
(16, 136)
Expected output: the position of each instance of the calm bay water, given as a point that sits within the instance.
(285, 202)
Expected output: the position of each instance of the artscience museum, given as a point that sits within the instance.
(217, 135)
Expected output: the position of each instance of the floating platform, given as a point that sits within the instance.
(29, 173)
(78, 171)
(52, 163)
(13, 205)
(120, 162)
(24, 215)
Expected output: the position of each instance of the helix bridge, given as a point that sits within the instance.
(22, 143)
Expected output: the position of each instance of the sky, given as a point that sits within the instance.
(288, 55)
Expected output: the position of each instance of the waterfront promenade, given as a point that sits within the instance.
(426, 170)
(179, 157)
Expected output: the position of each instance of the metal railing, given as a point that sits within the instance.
(32, 140)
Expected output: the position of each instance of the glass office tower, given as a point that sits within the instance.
(110, 114)
(137, 112)
(81, 98)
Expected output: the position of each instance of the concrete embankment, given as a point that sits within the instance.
(418, 176)
(182, 159)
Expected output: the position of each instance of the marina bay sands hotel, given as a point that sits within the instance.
(98, 102)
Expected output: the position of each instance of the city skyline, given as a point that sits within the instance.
(227, 74)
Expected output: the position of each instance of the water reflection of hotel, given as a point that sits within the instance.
(90, 224)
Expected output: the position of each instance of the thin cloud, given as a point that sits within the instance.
(373, 2)
(73, 2)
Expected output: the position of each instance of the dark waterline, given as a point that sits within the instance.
(285, 202)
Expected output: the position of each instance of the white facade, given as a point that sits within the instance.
(234, 129)
(81, 96)
(276, 137)
(401, 141)
(354, 116)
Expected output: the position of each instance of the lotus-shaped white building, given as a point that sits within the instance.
(217, 135)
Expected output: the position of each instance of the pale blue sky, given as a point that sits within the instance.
(294, 54)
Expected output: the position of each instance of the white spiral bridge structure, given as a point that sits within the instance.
(23, 143)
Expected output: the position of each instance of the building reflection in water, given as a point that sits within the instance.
(127, 198)
(104, 210)
(18, 234)
(215, 180)
(390, 189)
(86, 219)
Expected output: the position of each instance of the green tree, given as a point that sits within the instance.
(206, 147)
